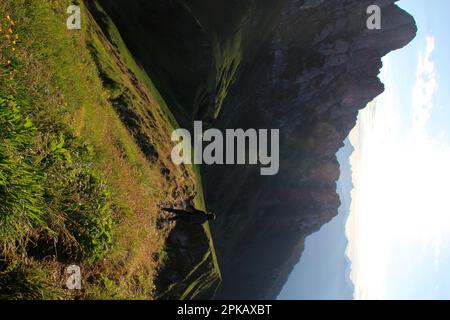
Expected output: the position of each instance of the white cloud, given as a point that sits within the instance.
(400, 208)
(425, 87)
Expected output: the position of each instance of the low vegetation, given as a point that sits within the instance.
(84, 159)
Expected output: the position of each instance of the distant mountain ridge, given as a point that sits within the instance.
(323, 271)
(344, 188)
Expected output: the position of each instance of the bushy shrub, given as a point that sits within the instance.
(26, 282)
(20, 182)
(54, 193)
(74, 189)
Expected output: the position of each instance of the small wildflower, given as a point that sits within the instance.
(12, 22)
(9, 62)
(8, 18)
(13, 49)
(10, 30)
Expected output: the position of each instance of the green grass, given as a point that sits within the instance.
(27, 282)
(66, 189)
(115, 38)
(81, 161)
(206, 277)
(54, 201)
(21, 187)
(200, 203)
(227, 57)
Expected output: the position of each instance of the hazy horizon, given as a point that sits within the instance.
(399, 219)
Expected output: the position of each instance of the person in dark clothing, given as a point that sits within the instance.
(190, 214)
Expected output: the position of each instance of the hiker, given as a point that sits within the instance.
(190, 214)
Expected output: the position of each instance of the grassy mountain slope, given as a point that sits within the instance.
(202, 46)
(85, 163)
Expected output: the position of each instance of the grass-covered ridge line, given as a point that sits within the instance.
(84, 160)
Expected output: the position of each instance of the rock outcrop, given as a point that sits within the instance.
(304, 67)
(321, 67)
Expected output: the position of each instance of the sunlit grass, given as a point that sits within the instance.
(51, 70)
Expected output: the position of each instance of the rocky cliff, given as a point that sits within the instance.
(302, 66)
(321, 68)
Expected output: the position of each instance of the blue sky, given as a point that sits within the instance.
(433, 19)
(399, 224)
